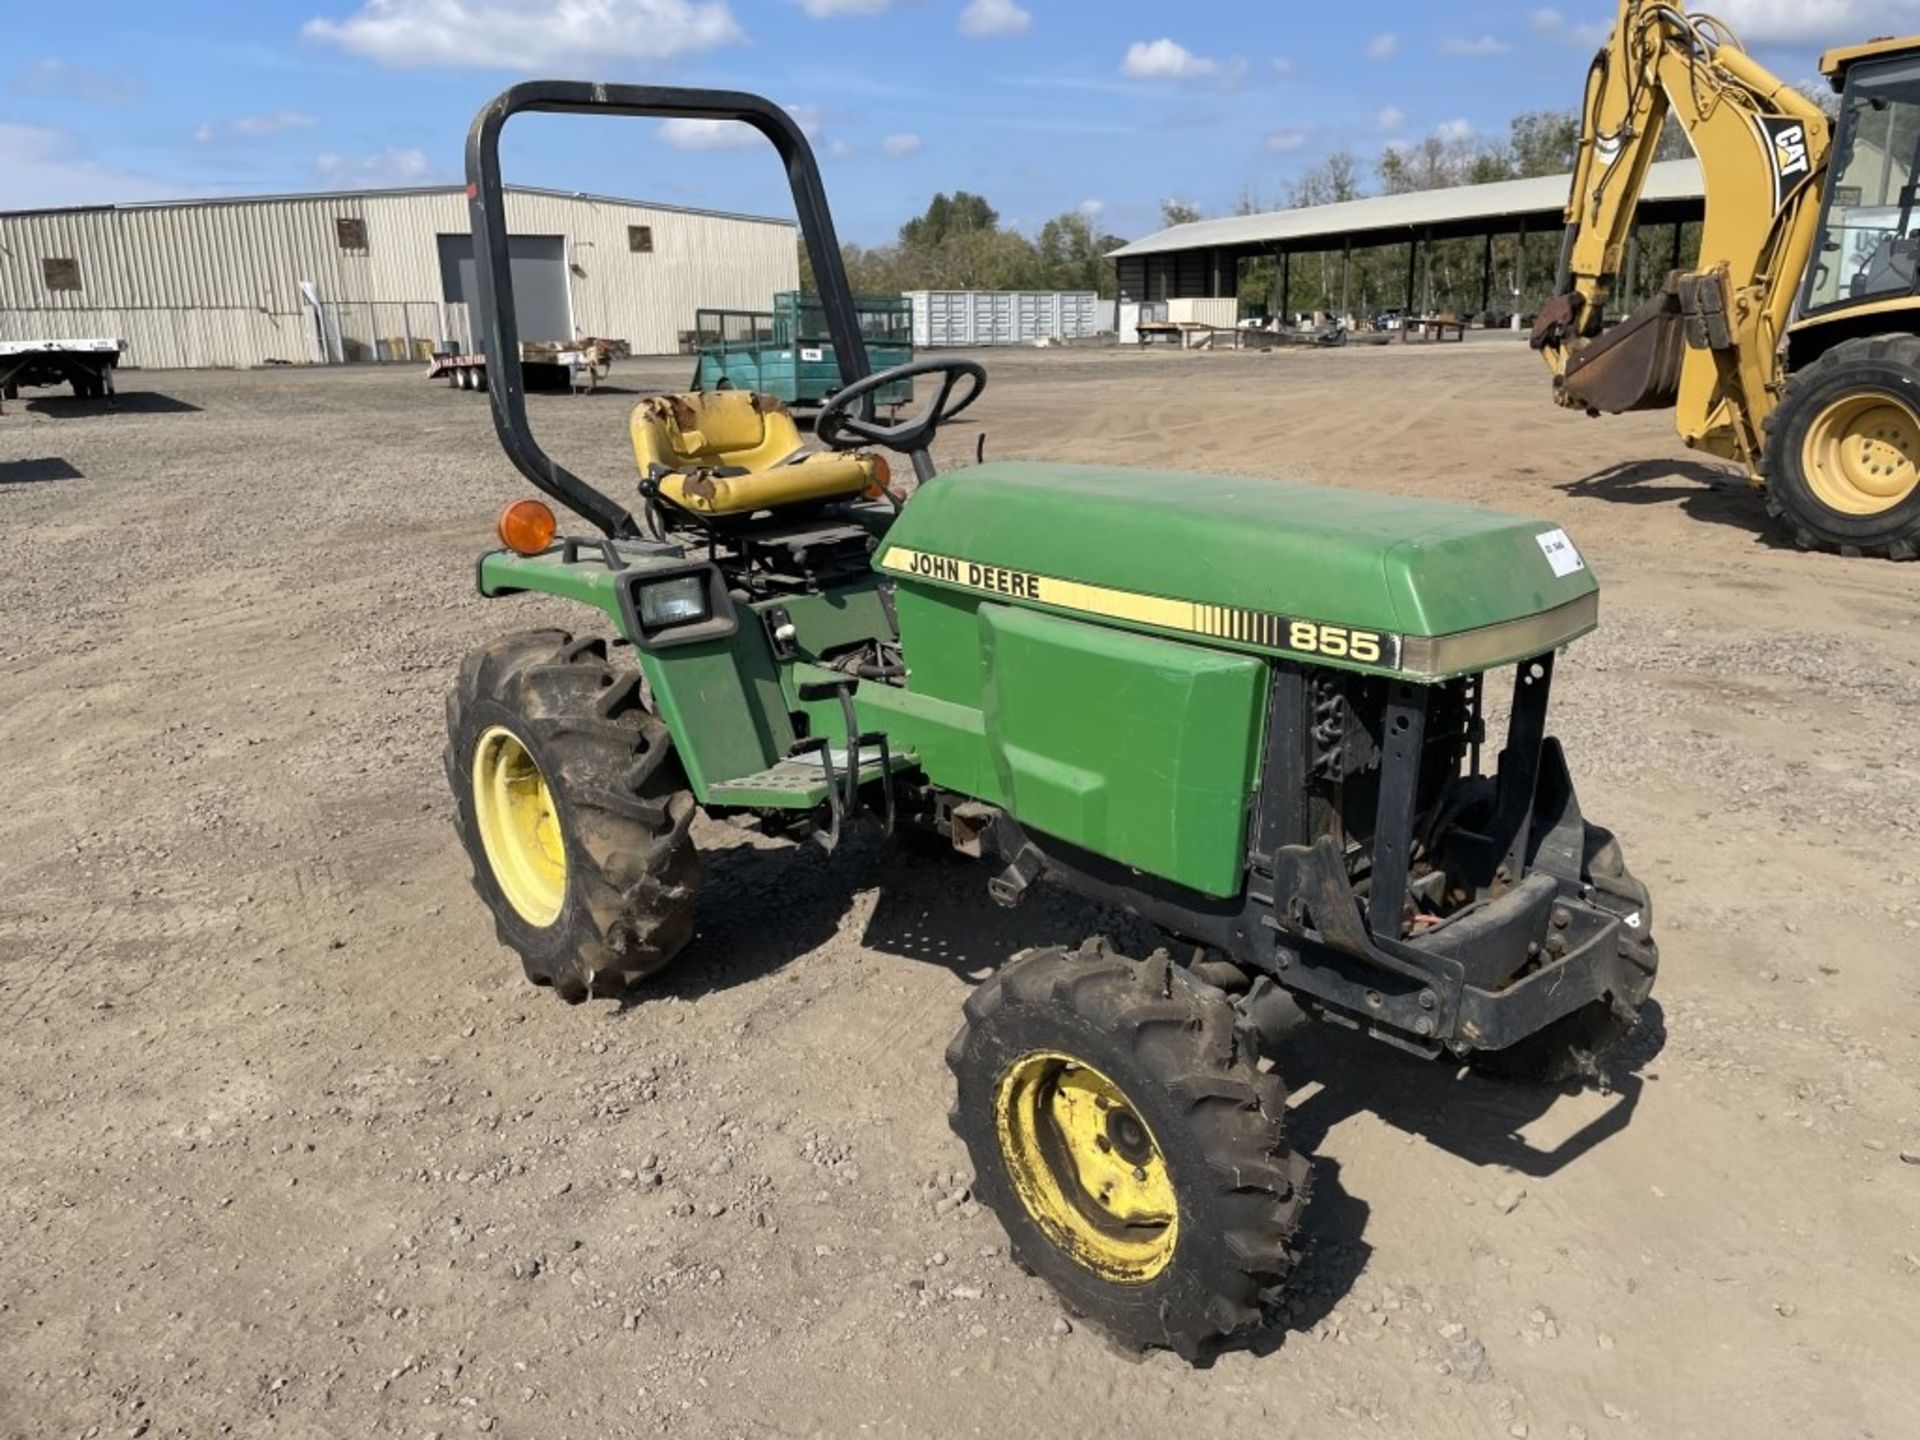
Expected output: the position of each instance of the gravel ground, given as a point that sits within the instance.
(288, 1148)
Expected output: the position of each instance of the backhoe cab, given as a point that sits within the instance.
(1255, 714)
(1791, 347)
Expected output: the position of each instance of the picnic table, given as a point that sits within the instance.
(1432, 328)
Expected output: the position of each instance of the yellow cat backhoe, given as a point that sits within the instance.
(1794, 345)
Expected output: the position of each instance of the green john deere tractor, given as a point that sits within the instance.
(1249, 712)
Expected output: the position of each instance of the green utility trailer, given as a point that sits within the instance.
(787, 352)
(1255, 714)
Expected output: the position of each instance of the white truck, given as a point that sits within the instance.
(85, 364)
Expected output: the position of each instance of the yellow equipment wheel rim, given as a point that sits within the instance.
(519, 827)
(1086, 1167)
(1862, 454)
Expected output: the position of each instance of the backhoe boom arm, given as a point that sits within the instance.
(1707, 344)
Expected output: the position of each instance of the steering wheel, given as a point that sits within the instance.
(840, 426)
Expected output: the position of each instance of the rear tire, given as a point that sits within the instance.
(1186, 1256)
(1843, 472)
(616, 900)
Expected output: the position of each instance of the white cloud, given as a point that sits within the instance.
(983, 19)
(380, 170)
(1282, 66)
(810, 118)
(42, 168)
(841, 150)
(1825, 23)
(1453, 130)
(898, 147)
(61, 79)
(1391, 118)
(1475, 49)
(1092, 209)
(826, 9)
(1165, 59)
(526, 34)
(1550, 24)
(685, 133)
(1383, 46)
(254, 127)
(1281, 141)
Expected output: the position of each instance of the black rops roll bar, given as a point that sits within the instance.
(493, 273)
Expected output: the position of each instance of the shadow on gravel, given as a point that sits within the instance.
(1469, 1115)
(1714, 493)
(761, 908)
(1473, 1117)
(1333, 1257)
(127, 402)
(23, 472)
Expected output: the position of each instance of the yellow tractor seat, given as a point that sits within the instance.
(731, 452)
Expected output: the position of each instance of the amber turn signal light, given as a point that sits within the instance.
(882, 477)
(526, 527)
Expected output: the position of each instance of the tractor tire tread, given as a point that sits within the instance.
(1800, 517)
(1241, 1189)
(633, 875)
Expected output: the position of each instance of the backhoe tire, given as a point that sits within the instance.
(573, 810)
(1573, 1047)
(1843, 450)
(1128, 1142)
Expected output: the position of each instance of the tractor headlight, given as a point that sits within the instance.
(682, 600)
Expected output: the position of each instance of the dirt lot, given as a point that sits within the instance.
(288, 1147)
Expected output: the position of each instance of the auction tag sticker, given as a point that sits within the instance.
(1560, 553)
(813, 354)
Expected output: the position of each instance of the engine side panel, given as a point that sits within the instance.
(1136, 748)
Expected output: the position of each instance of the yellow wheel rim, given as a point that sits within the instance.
(519, 827)
(1086, 1167)
(1862, 454)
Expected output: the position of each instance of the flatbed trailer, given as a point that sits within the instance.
(85, 364)
(544, 365)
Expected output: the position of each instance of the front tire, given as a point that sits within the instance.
(1843, 450)
(1127, 1140)
(573, 811)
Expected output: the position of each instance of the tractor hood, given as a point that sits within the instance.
(1369, 581)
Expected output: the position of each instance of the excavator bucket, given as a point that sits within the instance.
(1636, 364)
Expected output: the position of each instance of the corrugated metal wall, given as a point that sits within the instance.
(218, 283)
(1178, 275)
(1002, 317)
(1223, 313)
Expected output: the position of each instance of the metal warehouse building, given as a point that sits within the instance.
(373, 275)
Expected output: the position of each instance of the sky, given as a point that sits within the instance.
(1043, 106)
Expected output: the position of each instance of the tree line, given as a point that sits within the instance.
(958, 243)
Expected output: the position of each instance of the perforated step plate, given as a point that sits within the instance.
(799, 783)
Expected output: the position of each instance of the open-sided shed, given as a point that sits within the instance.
(1202, 259)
